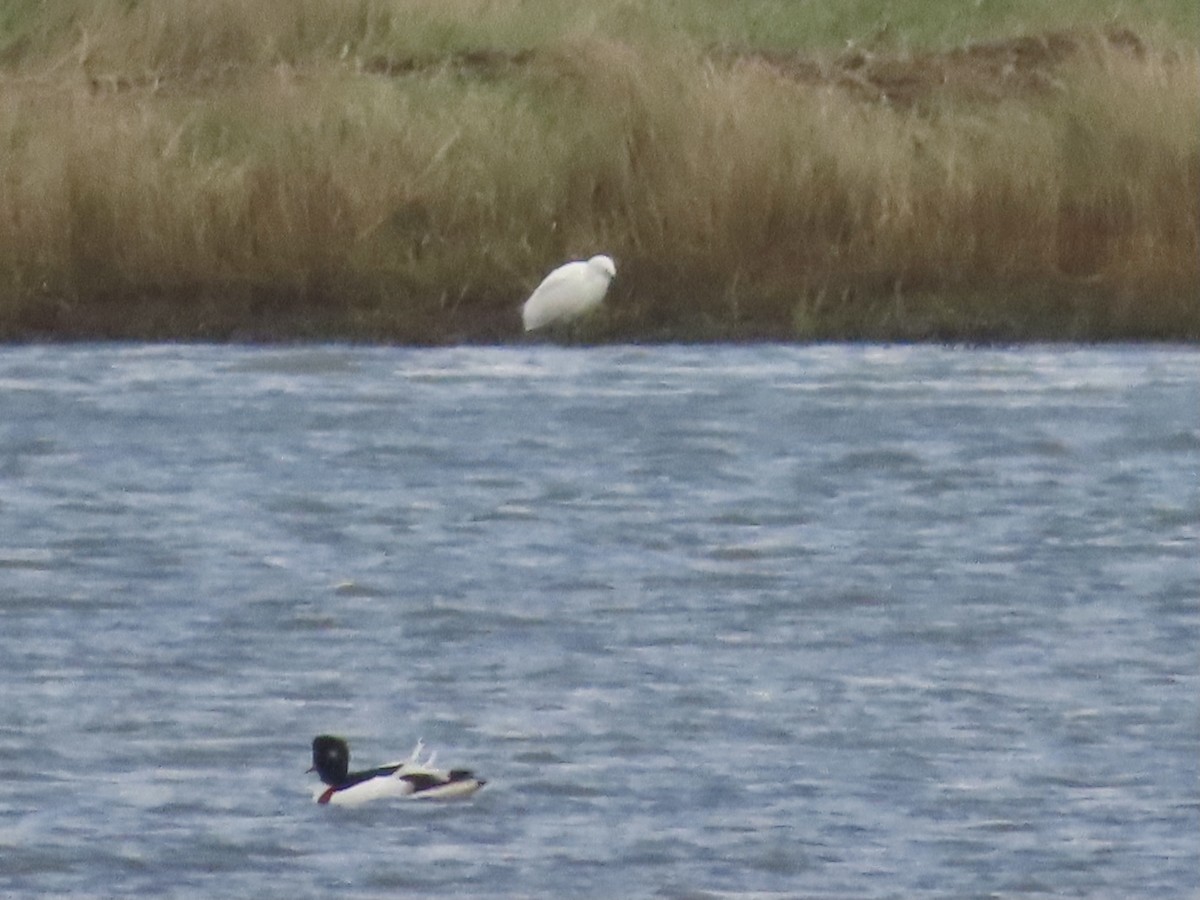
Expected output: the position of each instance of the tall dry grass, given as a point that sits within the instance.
(206, 168)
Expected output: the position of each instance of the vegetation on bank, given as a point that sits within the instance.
(407, 170)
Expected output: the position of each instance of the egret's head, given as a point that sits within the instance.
(604, 264)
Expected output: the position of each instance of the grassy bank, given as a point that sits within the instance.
(392, 170)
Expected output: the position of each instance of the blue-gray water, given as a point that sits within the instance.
(769, 621)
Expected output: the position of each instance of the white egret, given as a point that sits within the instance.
(568, 292)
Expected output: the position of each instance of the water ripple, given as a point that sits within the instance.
(713, 621)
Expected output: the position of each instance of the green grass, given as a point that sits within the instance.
(140, 32)
(407, 170)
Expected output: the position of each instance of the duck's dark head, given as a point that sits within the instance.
(331, 758)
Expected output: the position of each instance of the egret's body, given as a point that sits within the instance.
(568, 292)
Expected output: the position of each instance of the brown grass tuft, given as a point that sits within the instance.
(190, 169)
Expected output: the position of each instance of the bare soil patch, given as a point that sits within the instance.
(987, 71)
(981, 72)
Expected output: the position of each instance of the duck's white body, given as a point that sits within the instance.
(410, 779)
(396, 787)
(570, 291)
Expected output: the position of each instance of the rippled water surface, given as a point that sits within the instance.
(828, 622)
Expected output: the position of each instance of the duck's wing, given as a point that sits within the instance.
(368, 774)
(428, 781)
(443, 785)
(414, 759)
(424, 781)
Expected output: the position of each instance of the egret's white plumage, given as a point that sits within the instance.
(568, 292)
